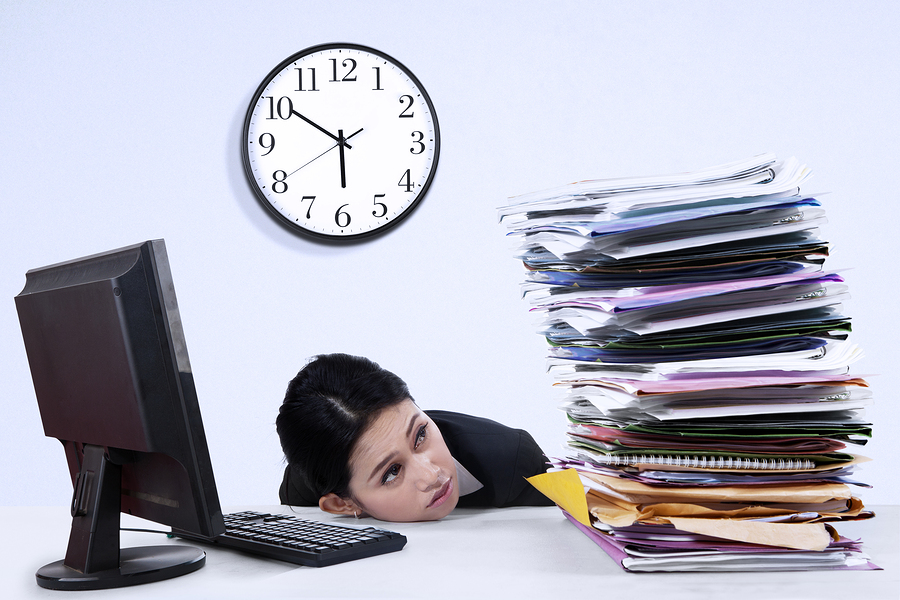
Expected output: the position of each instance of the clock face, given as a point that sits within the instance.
(340, 141)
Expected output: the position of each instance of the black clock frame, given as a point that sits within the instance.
(294, 227)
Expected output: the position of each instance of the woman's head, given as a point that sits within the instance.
(363, 446)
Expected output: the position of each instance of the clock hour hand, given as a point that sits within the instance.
(322, 129)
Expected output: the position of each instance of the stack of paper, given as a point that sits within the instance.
(704, 365)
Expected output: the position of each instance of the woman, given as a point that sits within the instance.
(357, 444)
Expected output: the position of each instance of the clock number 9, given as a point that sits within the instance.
(262, 142)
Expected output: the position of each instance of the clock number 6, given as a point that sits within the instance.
(337, 216)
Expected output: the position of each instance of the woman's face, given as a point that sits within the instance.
(401, 469)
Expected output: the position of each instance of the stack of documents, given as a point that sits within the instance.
(703, 362)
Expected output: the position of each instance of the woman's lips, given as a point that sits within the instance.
(442, 494)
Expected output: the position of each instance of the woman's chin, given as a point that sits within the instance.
(434, 513)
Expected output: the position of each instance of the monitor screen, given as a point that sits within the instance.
(113, 383)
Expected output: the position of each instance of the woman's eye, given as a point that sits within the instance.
(391, 474)
(420, 436)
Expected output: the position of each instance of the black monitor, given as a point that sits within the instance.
(113, 382)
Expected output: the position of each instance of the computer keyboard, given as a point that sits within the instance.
(301, 541)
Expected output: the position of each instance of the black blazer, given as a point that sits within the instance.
(496, 455)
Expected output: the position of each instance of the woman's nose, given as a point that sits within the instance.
(428, 474)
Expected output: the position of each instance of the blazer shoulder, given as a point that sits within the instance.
(500, 457)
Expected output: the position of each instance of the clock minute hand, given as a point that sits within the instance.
(322, 129)
(341, 145)
(342, 141)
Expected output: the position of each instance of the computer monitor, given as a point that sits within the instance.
(113, 383)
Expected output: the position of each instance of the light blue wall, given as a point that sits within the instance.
(121, 122)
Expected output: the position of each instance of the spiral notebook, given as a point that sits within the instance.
(716, 462)
(707, 462)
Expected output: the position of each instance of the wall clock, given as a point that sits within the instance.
(340, 141)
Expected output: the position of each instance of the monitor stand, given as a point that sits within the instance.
(94, 560)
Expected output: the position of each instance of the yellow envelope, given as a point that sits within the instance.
(564, 488)
(640, 493)
(800, 536)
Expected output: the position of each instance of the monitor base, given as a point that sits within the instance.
(139, 565)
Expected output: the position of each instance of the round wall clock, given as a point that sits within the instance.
(340, 141)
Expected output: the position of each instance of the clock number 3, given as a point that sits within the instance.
(418, 136)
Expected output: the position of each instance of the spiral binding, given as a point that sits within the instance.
(707, 462)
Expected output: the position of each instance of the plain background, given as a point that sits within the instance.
(121, 122)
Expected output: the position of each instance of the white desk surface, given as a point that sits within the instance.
(496, 553)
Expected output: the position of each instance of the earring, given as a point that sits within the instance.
(356, 514)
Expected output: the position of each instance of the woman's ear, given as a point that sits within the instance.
(334, 504)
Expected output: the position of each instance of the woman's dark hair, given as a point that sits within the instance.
(326, 408)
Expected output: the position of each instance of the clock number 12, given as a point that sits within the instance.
(334, 73)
